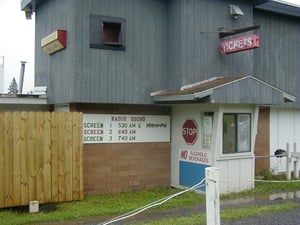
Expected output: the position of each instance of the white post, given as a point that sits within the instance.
(288, 160)
(212, 196)
(296, 162)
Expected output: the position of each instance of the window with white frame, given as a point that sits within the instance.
(236, 133)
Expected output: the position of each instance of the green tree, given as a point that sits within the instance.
(13, 87)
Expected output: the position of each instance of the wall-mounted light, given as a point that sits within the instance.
(235, 11)
(28, 13)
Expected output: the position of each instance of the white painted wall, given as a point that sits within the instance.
(236, 170)
(284, 128)
(179, 115)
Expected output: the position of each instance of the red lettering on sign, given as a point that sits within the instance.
(184, 154)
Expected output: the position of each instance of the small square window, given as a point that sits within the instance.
(236, 133)
(107, 32)
(111, 33)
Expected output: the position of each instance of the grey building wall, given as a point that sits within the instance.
(277, 60)
(82, 74)
(56, 71)
(169, 43)
(194, 41)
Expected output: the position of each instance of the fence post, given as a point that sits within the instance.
(288, 160)
(296, 161)
(212, 196)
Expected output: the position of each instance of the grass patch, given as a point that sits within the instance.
(275, 187)
(264, 188)
(115, 204)
(97, 205)
(239, 213)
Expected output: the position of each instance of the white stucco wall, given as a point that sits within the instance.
(284, 128)
(180, 114)
(236, 170)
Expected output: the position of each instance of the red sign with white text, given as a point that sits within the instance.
(239, 44)
(190, 131)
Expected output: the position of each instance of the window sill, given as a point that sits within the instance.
(117, 47)
(235, 156)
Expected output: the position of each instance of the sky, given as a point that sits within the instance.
(17, 44)
(296, 2)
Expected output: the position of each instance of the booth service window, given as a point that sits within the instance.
(236, 133)
(107, 32)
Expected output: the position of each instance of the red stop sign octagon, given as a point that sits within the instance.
(190, 131)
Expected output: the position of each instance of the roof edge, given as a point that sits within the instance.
(278, 6)
(26, 4)
(23, 99)
(197, 93)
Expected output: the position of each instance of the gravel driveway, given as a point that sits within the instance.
(284, 218)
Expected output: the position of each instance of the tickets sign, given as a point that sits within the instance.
(239, 44)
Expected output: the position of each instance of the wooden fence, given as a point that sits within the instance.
(40, 157)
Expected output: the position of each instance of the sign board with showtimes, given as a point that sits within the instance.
(119, 128)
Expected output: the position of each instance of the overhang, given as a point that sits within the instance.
(278, 6)
(30, 4)
(23, 99)
(239, 89)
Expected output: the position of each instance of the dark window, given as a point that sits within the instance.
(111, 33)
(107, 32)
(236, 133)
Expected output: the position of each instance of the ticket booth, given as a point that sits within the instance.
(214, 123)
(216, 135)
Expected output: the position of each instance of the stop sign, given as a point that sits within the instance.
(190, 131)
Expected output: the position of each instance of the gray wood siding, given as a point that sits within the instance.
(194, 41)
(277, 60)
(91, 75)
(55, 71)
(168, 44)
(248, 91)
(124, 76)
